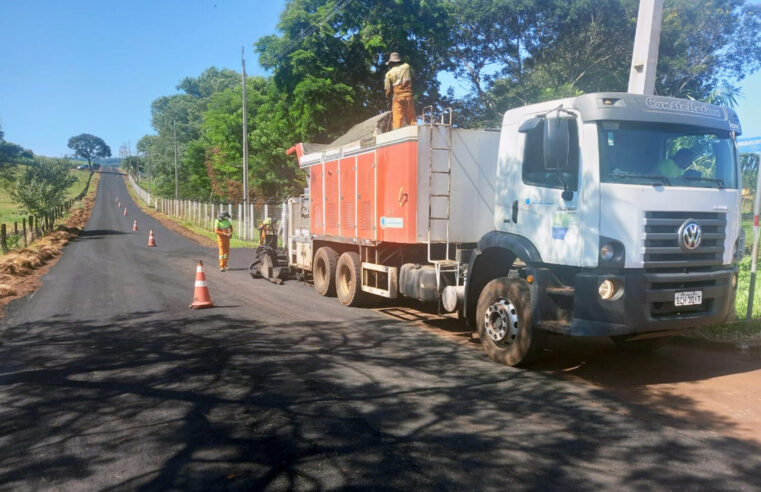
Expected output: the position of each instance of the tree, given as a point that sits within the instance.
(11, 154)
(42, 186)
(89, 147)
(328, 63)
(517, 52)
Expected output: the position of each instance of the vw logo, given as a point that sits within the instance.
(690, 235)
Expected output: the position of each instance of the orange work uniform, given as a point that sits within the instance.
(224, 231)
(399, 80)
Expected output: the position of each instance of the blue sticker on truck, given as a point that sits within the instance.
(392, 222)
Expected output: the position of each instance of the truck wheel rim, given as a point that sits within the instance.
(501, 322)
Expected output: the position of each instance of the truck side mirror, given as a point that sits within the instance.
(556, 142)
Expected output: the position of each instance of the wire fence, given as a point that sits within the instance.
(22, 233)
(245, 218)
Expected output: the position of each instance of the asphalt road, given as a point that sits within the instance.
(109, 381)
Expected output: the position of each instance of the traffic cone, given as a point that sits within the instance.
(119, 204)
(201, 297)
(134, 225)
(125, 211)
(151, 241)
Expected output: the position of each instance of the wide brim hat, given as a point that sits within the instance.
(393, 58)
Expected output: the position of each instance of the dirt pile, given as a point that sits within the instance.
(20, 271)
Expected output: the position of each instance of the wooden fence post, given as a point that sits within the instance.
(23, 225)
(4, 239)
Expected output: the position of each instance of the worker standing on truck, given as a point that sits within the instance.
(398, 85)
(223, 227)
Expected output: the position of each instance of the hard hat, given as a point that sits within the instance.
(224, 215)
(267, 221)
(393, 58)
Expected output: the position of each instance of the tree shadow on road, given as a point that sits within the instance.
(211, 402)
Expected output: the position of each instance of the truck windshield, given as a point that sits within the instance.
(667, 155)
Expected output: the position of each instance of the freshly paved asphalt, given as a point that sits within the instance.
(109, 381)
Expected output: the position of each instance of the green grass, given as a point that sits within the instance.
(743, 288)
(9, 210)
(201, 231)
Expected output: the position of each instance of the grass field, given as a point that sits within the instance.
(9, 211)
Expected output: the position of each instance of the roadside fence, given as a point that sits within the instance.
(202, 214)
(21, 233)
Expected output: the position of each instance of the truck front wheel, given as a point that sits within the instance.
(349, 280)
(503, 318)
(324, 271)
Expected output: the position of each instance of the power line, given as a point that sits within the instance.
(310, 30)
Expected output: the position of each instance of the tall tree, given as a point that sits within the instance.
(42, 186)
(89, 147)
(329, 60)
(516, 52)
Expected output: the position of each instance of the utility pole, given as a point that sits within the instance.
(646, 42)
(176, 185)
(148, 165)
(245, 146)
(756, 234)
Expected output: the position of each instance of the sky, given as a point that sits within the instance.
(94, 66)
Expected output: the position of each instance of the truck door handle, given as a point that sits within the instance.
(515, 212)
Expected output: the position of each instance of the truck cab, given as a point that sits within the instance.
(615, 214)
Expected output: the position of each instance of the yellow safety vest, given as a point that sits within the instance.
(400, 79)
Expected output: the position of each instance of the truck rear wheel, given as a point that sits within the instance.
(503, 318)
(349, 280)
(324, 271)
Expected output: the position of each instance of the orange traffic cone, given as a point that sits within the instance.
(134, 225)
(119, 204)
(125, 211)
(151, 241)
(201, 297)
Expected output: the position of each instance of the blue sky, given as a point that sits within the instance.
(77, 66)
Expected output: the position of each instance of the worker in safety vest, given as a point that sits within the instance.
(223, 227)
(677, 164)
(398, 85)
(266, 234)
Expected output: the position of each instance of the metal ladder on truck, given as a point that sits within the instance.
(447, 264)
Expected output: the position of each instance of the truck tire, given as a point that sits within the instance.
(349, 280)
(324, 271)
(644, 346)
(503, 318)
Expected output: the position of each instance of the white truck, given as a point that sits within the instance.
(607, 214)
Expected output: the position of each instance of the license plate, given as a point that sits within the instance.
(688, 298)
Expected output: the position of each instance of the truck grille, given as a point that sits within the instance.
(662, 242)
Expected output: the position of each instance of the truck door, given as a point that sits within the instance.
(544, 205)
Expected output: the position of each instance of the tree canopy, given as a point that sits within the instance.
(89, 147)
(328, 61)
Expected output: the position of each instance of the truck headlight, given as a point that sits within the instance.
(610, 289)
(606, 289)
